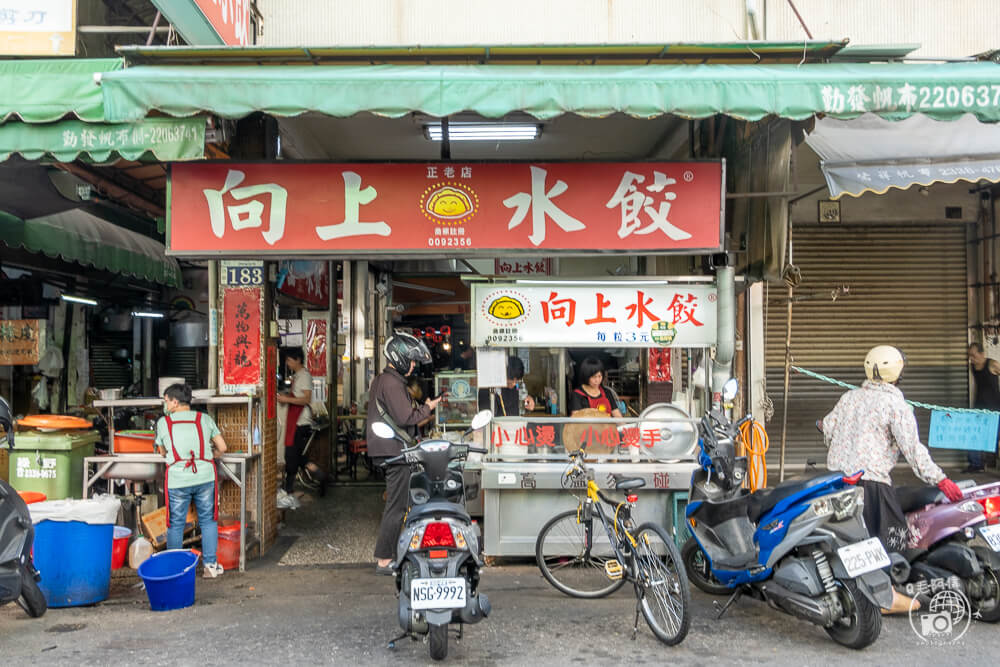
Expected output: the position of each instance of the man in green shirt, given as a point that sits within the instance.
(190, 440)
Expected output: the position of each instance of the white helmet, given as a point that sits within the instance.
(884, 363)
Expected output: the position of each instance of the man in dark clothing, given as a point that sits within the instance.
(985, 374)
(506, 401)
(389, 402)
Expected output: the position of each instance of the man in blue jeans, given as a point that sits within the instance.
(190, 440)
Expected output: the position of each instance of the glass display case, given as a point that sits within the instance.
(461, 404)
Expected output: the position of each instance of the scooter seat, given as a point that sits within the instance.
(437, 509)
(912, 498)
(628, 483)
(763, 501)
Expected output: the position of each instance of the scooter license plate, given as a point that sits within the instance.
(437, 593)
(863, 557)
(992, 536)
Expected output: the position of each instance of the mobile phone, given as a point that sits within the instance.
(439, 395)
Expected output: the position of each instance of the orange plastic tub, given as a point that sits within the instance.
(134, 442)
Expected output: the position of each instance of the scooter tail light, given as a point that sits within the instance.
(437, 534)
(991, 506)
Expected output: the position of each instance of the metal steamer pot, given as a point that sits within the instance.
(678, 435)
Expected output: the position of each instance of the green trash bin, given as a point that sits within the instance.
(51, 463)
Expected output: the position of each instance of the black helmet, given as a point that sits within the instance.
(402, 348)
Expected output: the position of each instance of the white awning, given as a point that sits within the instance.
(871, 154)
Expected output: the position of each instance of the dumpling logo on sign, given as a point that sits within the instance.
(504, 308)
(449, 203)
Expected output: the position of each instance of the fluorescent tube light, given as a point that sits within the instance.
(147, 313)
(78, 299)
(484, 131)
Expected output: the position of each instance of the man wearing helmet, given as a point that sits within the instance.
(867, 430)
(389, 401)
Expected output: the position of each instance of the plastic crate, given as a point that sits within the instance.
(679, 512)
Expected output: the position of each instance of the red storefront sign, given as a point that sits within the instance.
(229, 18)
(241, 336)
(289, 208)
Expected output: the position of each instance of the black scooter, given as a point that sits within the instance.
(18, 576)
(438, 556)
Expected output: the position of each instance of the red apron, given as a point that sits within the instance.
(601, 402)
(191, 462)
(290, 427)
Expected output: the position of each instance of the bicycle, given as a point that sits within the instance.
(579, 562)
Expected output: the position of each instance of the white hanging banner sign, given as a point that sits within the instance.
(593, 314)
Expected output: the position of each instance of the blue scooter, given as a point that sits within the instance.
(802, 546)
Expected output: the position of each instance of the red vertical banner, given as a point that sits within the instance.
(271, 381)
(241, 336)
(659, 364)
(315, 344)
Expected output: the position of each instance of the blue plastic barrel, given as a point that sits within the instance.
(75, 561)
(169, 579)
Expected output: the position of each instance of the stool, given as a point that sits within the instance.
(354, 448)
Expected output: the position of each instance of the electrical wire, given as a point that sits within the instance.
(754, 442)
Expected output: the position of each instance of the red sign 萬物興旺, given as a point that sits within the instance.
(295, 208)
(241, 336)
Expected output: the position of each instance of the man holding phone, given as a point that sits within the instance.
(390, 402)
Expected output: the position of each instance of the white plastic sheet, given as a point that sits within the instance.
(102, 509)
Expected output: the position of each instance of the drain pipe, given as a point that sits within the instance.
(725, 347)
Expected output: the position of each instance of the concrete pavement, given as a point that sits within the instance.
(344, 615)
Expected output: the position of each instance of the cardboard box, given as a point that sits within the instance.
(154, 526)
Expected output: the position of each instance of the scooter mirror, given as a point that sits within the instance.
(481, 419)
(383, 430)
(729, 389)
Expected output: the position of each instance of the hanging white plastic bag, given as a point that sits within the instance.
(51, 363)
(40, 393)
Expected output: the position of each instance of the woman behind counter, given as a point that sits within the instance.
(592, 393)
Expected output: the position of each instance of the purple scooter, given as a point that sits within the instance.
(952, 545)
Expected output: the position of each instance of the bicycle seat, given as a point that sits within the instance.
(628, 483)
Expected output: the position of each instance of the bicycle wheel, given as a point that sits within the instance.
(562, 556)
(662, 585)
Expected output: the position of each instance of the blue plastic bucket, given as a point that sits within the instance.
(75, 561)
(169, 579)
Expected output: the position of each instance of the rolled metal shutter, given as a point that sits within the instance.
(906, 287)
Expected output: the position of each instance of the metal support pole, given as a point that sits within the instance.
(784, 398)
(213, 324)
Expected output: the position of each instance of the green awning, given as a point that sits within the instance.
(166, 139)
(843, 90)
(78, 236)
(42, 91)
